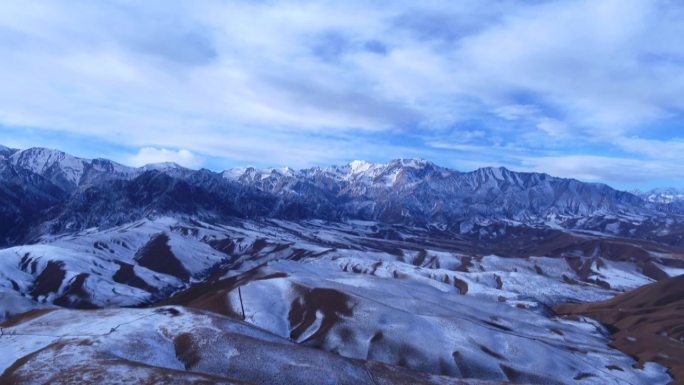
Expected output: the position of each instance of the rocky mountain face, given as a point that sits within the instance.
(420, 192)
(395, 273)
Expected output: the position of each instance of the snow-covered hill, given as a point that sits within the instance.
(175, 345)
(360, 291)
(404, 272)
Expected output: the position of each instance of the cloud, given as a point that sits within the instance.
(671, 151)
(317, 82)
(601, 168)
(150, 155)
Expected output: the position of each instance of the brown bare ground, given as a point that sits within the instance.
(97, 370)
(213, 294)
(383, 374)
(648, 323)
(156, 255)
(23, 317)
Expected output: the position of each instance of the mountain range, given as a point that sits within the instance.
(49, 191)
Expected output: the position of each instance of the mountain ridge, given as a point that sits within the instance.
(665, 195)
(16, 154)
(75, 193)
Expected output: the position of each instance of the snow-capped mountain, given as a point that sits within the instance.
(418, 191)
(662, 195)
(67, 171)
(68, 193)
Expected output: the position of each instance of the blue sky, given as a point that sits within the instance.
(587, 89)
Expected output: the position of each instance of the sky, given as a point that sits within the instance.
(590, 89)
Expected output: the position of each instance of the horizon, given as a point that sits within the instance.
(589, 90)
(324, 166)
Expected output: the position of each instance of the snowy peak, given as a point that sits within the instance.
(410, 163)
(402, 172)
(357, 171)
(162, 166)
(55, 165)
(379, 175)
(662, 195)
(357, 166)
(233, 174)
(67, 171)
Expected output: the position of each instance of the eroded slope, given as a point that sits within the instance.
(648, 322)
(174, 345)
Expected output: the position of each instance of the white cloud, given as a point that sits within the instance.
(552, 127)
(149, 155)
(584, 57)
(517, 111)
(670, 151)
(294, 82)
(601, 168)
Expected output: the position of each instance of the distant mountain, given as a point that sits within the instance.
(66, 171)
(49, 191)
(418, 191)
(662, 195)
(6, 152)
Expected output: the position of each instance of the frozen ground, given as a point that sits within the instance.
(426, 300)
(175, 345)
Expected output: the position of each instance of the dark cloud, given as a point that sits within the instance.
(376, 46)
(304, 95)
(444, 24)
(330, 46)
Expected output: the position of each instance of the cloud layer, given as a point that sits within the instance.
(588, 89)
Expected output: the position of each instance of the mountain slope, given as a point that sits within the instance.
(67, 171)
(5, 152)
(174, 345)
(358, 290)
(24, 198)
(647, 322)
